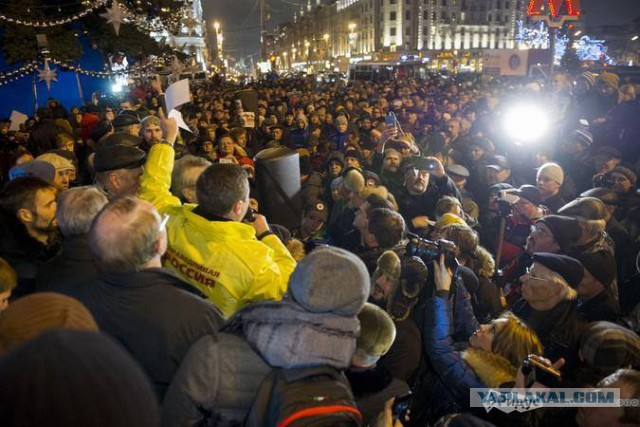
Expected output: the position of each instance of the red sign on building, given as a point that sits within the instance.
(572, 7)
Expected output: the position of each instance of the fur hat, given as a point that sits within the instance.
(552, 171)
(377, 331)
(413, 276)
(389, 264)
(353, 180)
(330, 280)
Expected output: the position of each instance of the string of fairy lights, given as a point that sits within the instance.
(142, 22)
(31, 68)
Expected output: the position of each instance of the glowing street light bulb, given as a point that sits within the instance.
(352, 26)
(216, 25)
(634, 38)
(325, 37)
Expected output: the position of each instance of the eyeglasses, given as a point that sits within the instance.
(532, 277)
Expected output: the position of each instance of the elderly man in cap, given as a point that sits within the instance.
(127, 122)
(64, 169)
(315, 326)
(499, 170)
(549, 306)
(425, 183)
(118, 168)
(459, 174)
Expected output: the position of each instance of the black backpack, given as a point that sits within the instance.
(309, 397)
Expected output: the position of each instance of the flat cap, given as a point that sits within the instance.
(458, 170)
(530, 193)
(116, 157)
(121, 138)
(125, 120)
(499, 163)
(569, 268)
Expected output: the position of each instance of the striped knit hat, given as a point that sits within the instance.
(28, 317)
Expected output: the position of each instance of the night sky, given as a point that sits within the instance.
(240, 19)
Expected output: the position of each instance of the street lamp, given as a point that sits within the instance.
(634, 38)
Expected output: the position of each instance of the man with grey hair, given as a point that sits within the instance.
(186, 172)
(549, 305)
(77, 207)
(143, 306)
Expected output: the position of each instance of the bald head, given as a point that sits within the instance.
(126, 236)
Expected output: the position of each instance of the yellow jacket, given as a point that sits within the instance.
(223, 259)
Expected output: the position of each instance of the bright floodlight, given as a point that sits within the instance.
(525, 123)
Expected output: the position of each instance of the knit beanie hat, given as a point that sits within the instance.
(566, 230)
(330, 280)
(610, 79)
(28, 317)
(589, 77)
(628, 173)
(377, 331)
(607, 347)
(75, 378)
(150, 121)
(601, 265)
(582, 136)
(552, 171)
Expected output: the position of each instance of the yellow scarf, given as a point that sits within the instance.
(492, 369)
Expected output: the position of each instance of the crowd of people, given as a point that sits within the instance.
(433, 252)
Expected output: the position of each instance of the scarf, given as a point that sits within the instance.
(492, 369)
(287, 336)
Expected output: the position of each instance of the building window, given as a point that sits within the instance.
(425, 31)
(407, 15)
(407, 31)
(392, 1)
(392, 31)
(392, 16)
(425, 15)
(462, 31)
(443, 15)
(444, 2)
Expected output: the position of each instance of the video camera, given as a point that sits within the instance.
(429, 250)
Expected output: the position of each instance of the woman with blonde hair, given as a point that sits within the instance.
(494, 354)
